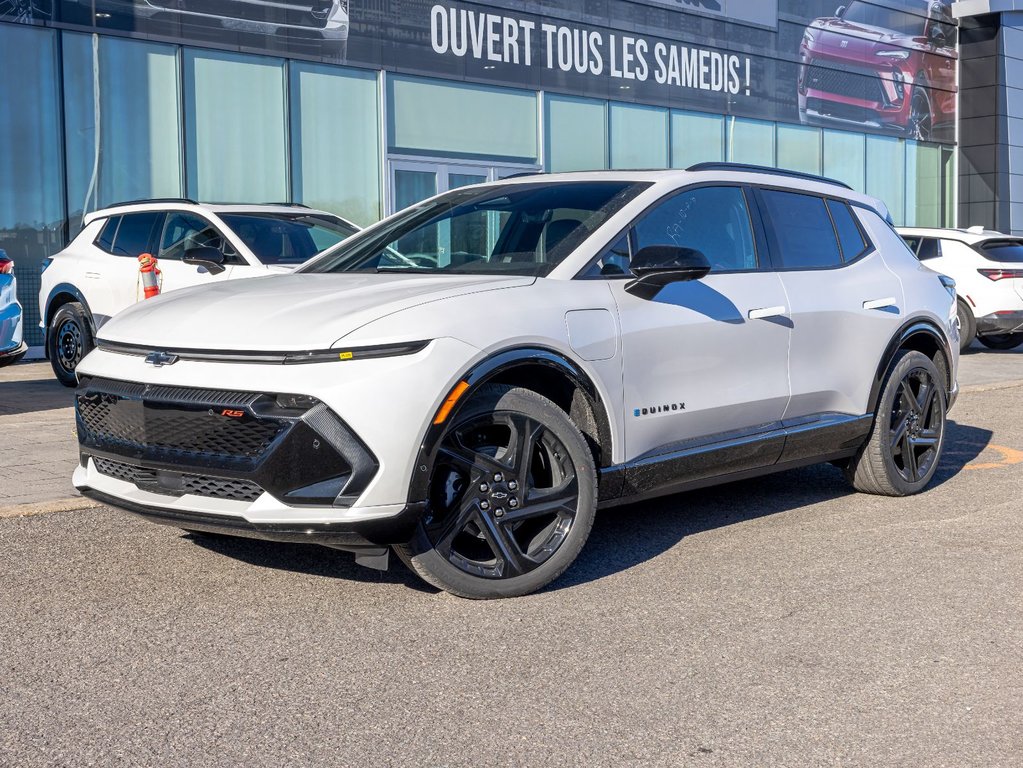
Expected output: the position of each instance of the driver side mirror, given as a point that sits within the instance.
(207, 257)
(659, 265)
(839, 11)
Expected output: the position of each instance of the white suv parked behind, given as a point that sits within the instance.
(469, 379)
(988, 269)
(97, 275)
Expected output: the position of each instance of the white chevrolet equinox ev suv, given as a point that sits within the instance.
(467, 381)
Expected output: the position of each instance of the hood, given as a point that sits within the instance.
(284, 312)
(859, 40)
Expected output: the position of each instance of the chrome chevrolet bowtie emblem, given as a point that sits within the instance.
(160, 359)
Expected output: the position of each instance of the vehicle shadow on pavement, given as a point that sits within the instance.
(36, 392)
(624, 537)
(309, 559)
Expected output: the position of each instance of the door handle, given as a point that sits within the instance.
(765, 312)
(888, 301)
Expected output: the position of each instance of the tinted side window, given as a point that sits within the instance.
(712, 220)
(135, 235)
(912, 242)
(184, 231)
(105, 240)
(801, 230)
(849, 235)
(930, 248)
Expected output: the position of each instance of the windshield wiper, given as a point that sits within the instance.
(407, 270)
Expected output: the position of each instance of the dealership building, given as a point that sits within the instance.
(362, 107)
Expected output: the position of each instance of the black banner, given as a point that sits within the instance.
(885, 66)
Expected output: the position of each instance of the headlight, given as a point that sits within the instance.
(893, 55)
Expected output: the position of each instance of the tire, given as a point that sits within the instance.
(920, 123)
(967, 325)
(908, 434)
(68, 341)
(504, 519)
(1001, 340)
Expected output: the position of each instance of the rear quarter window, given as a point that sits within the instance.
(105, 240)
(801, 231)
(850, 237)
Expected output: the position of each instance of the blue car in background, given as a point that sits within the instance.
(12, 348)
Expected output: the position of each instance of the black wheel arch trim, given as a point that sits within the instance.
(56, 291)
(908, 331)
(484, 372)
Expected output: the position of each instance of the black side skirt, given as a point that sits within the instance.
(737, 456)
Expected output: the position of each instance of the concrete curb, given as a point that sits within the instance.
(46, 507)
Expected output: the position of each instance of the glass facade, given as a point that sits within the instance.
(99, 119)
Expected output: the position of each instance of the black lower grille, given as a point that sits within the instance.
(853, 84)
(175, 422)
(178, 483)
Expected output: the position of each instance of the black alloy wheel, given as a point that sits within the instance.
(902, 452)
(69, 340)
(917, 425)
(512, 498)
(920, 122)
(1001, 340)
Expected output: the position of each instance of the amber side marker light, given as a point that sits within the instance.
(445, 409)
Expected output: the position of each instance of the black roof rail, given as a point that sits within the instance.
(746, 168)
(522, 175)
(154, 200)
(285, 205)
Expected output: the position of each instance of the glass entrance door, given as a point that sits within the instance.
(416, 180)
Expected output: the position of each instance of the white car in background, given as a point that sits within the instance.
(988, 269)
(467, 380)
(97, 275)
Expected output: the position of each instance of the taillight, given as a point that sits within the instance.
(6, 266)
(948, 284)
(1001, 274)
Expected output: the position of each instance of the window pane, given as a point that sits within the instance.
(913, 243)
(135, 235)
(513, 229)
(924, 180)
(930, 248)
(750, 141)
(335, 140)
(845, 158)
(184, 231)
(696, 138)
(234, 128)
(849, 235)
(429, 116)
(126, 146)
(576, 134)
(286, 238)
(711, 220)
(886, 175)
(31, 193)
(639, 137)
(106, 235)
(801, 229)
(799, 148)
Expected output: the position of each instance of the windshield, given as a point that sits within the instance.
(909, 24)
(514, 229)
(287, 238)
(1010, 251)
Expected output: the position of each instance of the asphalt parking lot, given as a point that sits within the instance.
(783, 621)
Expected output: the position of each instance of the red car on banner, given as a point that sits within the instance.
(876, 67)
